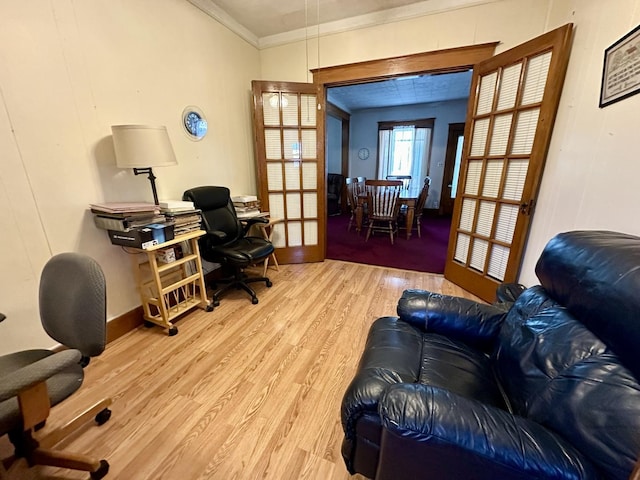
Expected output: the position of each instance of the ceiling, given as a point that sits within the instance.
(399, 91)
(270, 17)
(266, 23)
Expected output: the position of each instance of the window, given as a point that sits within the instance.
(404, 148)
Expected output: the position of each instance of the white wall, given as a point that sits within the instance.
(68, 71)
(364, 133)
(592, 171)
(509, 21)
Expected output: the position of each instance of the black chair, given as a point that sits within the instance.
(226, 241)
(72, 301)
(334, 193)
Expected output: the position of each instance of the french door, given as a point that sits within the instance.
(290, 169)
(512, 108)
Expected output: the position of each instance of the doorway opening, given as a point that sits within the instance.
(375, 113)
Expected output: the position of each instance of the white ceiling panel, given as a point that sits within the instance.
(402, 91)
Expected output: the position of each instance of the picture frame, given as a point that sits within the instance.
(621, 69)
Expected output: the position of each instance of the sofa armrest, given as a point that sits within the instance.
(472, 322)
(391, 355)
(429, 432)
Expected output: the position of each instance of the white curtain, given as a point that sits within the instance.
(404, 151)
(384, 147)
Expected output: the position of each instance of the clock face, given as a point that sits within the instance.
(363, 153)
(194, 123)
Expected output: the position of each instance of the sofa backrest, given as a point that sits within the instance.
(563, 355)
(596, 276)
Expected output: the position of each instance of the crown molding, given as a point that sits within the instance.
(426, 7)
(225, 19)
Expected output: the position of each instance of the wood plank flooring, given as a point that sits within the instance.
(243, 392)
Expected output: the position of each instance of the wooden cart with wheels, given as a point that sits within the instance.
(167, 290)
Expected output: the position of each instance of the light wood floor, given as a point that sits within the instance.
(244, 392)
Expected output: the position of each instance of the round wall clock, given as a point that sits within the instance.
(363, 153)
(194, 123)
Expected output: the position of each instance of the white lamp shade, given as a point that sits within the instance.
(139, 146)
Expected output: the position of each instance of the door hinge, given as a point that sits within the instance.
(527, 207)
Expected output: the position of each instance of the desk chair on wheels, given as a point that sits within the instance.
(226, 241)
(72, 303)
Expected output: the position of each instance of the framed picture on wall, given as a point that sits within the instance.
(621, 70)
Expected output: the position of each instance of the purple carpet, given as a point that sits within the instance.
(426, 254)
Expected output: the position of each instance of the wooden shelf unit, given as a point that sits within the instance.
(167, 290)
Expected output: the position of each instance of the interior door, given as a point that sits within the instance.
(290, 166)
(451, 172)
(510, 116)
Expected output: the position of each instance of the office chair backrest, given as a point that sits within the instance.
(73, 302)
(218, 212)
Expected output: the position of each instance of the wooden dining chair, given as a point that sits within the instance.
(420, 204)
(355, 188)
(382, 201)
(405, 179)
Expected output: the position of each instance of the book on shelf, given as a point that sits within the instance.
(183, 213)
(123, 207)
(128, 215)
(182, 229)
(176, 205)
(250, 214)
(124, 224)
(244, 198)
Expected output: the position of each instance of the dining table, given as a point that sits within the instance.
(408, 196)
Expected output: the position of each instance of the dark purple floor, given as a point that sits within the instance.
(426, 254)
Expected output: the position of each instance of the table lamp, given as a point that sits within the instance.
(142, 147)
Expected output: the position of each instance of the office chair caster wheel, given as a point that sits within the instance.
(216, 302)
(148, 324)
(103, 416)
(173, 331)
(269, 284)
(209, 308)
(102, 470)
(254, 300)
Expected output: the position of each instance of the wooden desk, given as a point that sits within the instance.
(408, 197)
(168, 290)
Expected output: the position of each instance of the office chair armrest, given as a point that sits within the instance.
(218, 234)
(247, 223)
(14, 382)
(254, 220)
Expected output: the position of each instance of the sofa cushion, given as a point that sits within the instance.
(539, 341)
(596, 276)
(560, 374)
(454, 366)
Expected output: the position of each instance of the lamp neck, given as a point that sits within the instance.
(152, 179)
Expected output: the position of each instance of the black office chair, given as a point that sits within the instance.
(226, 241)
(72, 305)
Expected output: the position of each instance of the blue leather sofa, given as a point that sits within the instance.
(545, 387)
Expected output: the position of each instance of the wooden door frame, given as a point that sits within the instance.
(455, 130)
(345, 121)
(439, 61)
